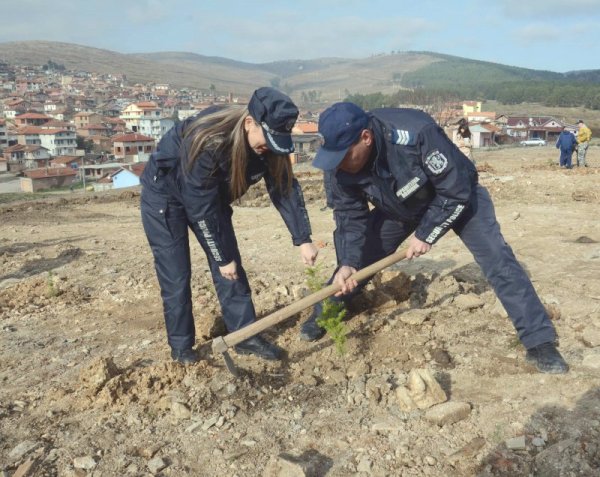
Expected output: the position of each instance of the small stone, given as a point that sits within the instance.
(414, 317)
(26, 469)
(284, 466)
(180, 410)
(193, 427)
(22, 449)
(448, 413)
(591, 336)
(468, 302)
(591, 361)
(388, 425)
(364, 465)
(421, 391)
(248, 443)
(515, 215)
(538, 442)
(429, 460)
(156, 465)
(516, 443)
(235, 454)
(87, 462)
(210, 422)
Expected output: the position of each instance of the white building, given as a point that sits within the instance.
(155, 128)
(60, 142)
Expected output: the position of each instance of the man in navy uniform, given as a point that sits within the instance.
(419, 183)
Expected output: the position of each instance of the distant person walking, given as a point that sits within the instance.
(463, 139)
(584, 135)
(566, 142)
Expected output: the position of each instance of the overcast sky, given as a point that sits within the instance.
(541, 34)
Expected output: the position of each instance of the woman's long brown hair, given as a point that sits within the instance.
(223, 132)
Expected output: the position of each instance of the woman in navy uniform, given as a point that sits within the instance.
(199, 168)
(419, 183)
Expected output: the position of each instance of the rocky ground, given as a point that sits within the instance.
(433, 381)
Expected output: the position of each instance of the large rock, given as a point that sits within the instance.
(421, 391)
(448, 413)
(282, 466)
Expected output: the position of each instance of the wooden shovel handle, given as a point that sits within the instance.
(280, 315)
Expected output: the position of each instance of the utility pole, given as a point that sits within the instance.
(83, 171)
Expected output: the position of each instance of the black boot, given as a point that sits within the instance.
(310, 330)
(184, 356)
(260, 347)
(546, 358)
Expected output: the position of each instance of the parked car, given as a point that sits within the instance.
(533, 142)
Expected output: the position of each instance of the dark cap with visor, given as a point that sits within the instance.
(276, 114)
(340, 126)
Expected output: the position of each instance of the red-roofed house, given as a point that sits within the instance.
(31, 119)
(82, 120)
(309, 127)
(46, 178)
(532, 127)
(132, 147)
(19, 157)
(28, 135)
(74, 162)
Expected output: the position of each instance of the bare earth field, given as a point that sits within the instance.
(87, 386)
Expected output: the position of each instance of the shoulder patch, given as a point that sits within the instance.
(436, 162)
(402, 137)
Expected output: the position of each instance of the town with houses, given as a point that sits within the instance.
(62, 128)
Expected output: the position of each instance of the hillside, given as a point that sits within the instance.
(333, 78)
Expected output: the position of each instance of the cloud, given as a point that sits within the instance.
(149, 11)
(298, 36)
(515, 9)
(539, 32)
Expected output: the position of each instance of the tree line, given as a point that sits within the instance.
(547, 93)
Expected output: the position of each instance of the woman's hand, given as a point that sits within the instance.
(417, 247)
(309, 253)
(342, 278)
(229, 271)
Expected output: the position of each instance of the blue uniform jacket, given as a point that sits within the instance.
(566, 141)
(204, 189)
(417, 176)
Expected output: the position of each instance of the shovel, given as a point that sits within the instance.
(223, 343)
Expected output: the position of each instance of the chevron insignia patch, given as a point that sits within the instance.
(402, 137)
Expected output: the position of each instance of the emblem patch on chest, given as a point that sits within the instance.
(436, 162)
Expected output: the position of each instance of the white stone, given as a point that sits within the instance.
(448, 413)
(22, 449)
(87, 462)
(180, 410)
(156, 465)
(591, 336)
(516, 443)
(591, 361)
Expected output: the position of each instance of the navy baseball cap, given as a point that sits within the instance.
(340, 126)
(276, 114)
